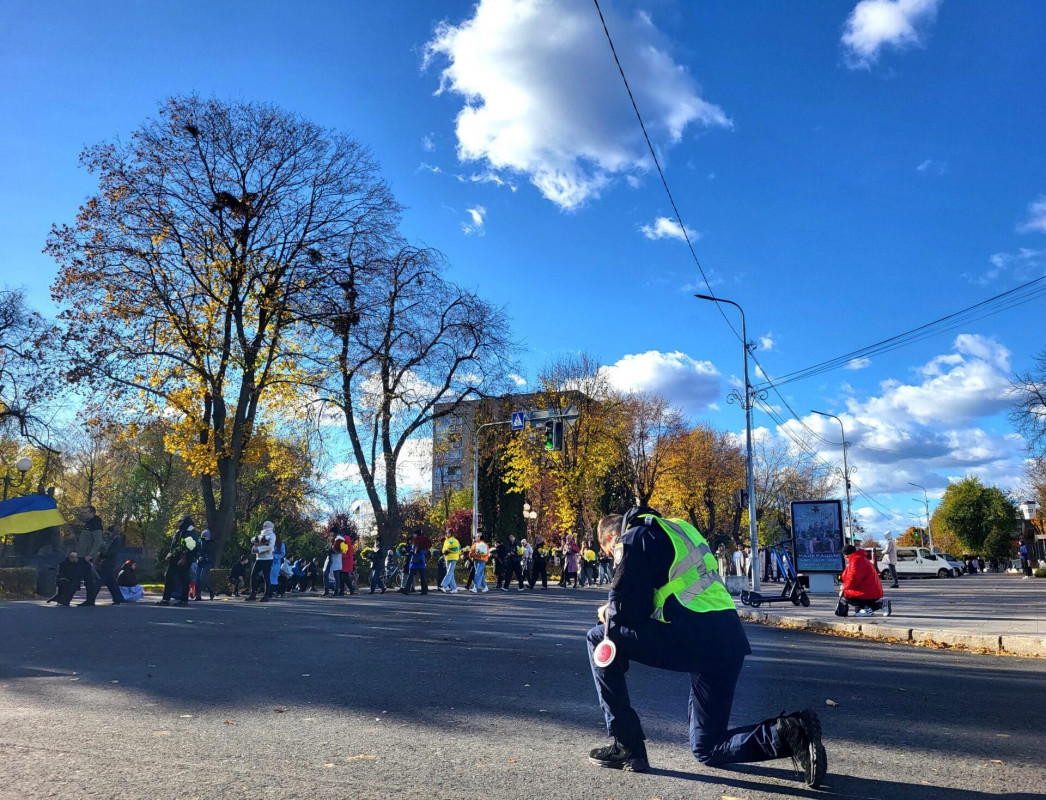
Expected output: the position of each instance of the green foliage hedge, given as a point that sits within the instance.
(1040, 573)
(17, 582)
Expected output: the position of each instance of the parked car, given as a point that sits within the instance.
(919, 562)
(958, 568)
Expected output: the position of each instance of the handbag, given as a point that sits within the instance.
(842, 608)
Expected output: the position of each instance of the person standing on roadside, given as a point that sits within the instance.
(570, 563)
(668, 609)
(890, 557)
(263, 546)
(91, 539)
(480, 554)
(451, 554)
(377, 566)
(1022, 553)
(107, 562)
(204, 564)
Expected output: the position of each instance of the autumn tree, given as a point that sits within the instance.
(705, 469)
(183, 278)
(575, 476)
(647, 426)
(400, 346)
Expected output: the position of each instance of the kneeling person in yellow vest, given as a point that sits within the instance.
(668, 609)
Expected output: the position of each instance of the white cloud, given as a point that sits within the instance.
(969, 383)
(1023, 265)
(423, 167)
(690, 384)
(542, 97)
(486, 177)
(1036, 222)
(427, 143)
(477, 217)
(932, 167)
(663, 227)
(858, 363)
(767, 342)
(874, 24)
(930, 431)
(519, 380)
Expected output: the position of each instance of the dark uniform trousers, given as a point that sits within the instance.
(712, 682)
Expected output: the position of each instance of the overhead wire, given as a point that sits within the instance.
(1010, 299)
(1004, 301)
(661, 173)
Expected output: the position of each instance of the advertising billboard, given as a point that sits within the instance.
(817, 535)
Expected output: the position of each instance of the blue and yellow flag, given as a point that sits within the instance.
(33, 512)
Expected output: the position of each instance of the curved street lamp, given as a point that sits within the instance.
(746, 403)
(846, 479)
(23, 465)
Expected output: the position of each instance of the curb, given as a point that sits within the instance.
(1005, 644)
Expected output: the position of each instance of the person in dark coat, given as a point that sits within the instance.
(238, 575)
(179, 562)
(68, 580)
(107, 562)
(91, 580)
(204, 564)
(127, 580)
(377, 565)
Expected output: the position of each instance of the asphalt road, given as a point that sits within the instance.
(467, 697)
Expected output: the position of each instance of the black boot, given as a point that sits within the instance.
(617, 755)
(801, 734)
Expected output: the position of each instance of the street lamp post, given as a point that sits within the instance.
(926, 505)
(746, 402)
(23, 465)
(846, 478)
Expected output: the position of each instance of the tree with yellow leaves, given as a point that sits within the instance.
(183, 278)
(705, 468)
(590, 445)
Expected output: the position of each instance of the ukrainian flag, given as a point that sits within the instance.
(33, 512)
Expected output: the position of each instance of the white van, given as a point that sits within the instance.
(918, 562)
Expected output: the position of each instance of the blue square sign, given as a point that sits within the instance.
(519, 420)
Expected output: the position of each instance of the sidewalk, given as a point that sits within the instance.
(996, 613)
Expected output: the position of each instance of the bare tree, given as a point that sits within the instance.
(182, 278)
(403, 340)
(27, 379)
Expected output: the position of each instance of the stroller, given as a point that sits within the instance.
(792, 590)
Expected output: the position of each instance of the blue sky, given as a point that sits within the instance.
(848, 170)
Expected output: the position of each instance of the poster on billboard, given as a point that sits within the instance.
(817, 535)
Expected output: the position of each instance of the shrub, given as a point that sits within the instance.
(219, 580)
(1040, 573)
(18, 582)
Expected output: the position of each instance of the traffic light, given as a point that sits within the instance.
(554, 435)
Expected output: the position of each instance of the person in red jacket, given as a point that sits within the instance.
(861, 586)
